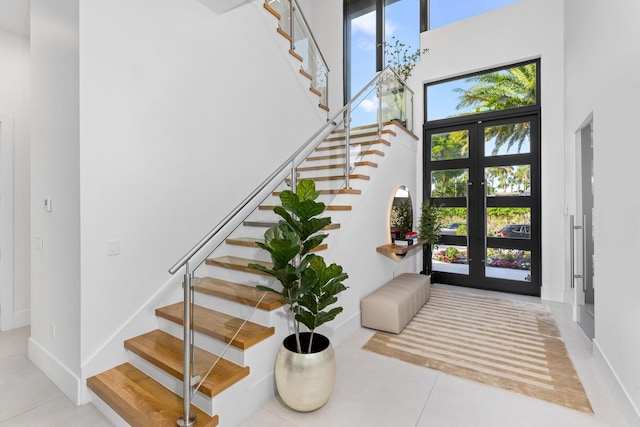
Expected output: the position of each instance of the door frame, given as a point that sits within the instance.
(475, 123)
(579, 265)
(6, 223)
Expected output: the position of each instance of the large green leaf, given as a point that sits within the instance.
(306, 190)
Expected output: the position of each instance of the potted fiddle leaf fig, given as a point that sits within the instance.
(310, 287)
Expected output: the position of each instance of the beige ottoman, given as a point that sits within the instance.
(393, 305)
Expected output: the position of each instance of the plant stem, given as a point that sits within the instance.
(310, 342)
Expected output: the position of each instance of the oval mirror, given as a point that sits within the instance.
(401, 217)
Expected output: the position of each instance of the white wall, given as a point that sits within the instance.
(14, 103)
(183, 113)
(55, 167)
(525, 30)
(602, 68)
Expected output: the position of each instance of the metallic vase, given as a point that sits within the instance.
(305, 380)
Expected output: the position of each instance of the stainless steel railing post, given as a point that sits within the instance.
(347, 148)
(187, 419)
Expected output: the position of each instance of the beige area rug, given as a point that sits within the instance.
(507, 344)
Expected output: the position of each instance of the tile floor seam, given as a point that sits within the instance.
(32, 408)
(426, 400)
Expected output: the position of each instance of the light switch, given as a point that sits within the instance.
(47, 205)
(113, 247)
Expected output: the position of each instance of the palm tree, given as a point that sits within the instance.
(501, 90)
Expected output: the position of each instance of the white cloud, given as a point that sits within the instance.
(369, 105)
(365, 24)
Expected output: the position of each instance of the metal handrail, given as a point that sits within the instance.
(188, 419)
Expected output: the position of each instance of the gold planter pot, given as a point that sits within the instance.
(305, 380)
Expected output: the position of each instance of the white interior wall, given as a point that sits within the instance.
(184, 112)
(55, 151)
(602, 68)
(494, 39)
(14, 104)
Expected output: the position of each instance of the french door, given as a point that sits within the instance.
(486, 177)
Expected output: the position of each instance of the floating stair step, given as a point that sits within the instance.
(360, 135)
(218, 325)
(269, 224)
(342, 155)
(337, 177)
(363, 127)
(251, 243)
(237, 292)
(336, 166)
(140, 400)
(335, 191)
(237, 263)
(327, 208)
(167, 353)
(353, 143)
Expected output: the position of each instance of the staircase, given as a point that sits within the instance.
(147, 389)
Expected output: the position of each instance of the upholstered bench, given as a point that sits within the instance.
(393, 305)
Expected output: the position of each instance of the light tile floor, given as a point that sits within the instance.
(371, 390)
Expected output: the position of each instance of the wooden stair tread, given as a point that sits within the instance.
(361, 135)
(167, 353)
(237, 263)
(336, 166)
(237, 292)
(335, 191)
(337, 177)
(218, 325)
(269, 224)
(371, 126)
(327, 208)
(342, 155)
(341, 146)
(251, 242)
(140, 400)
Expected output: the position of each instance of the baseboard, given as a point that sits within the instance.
(62, 377)
(21, 318)
(620, 394)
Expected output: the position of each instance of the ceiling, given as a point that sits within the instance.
(14, 16)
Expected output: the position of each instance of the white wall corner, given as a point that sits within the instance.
(628, 408)
(6, 224)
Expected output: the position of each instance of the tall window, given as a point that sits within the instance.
(369, 24)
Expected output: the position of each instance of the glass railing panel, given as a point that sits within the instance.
(396, 101)
(283, 8)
